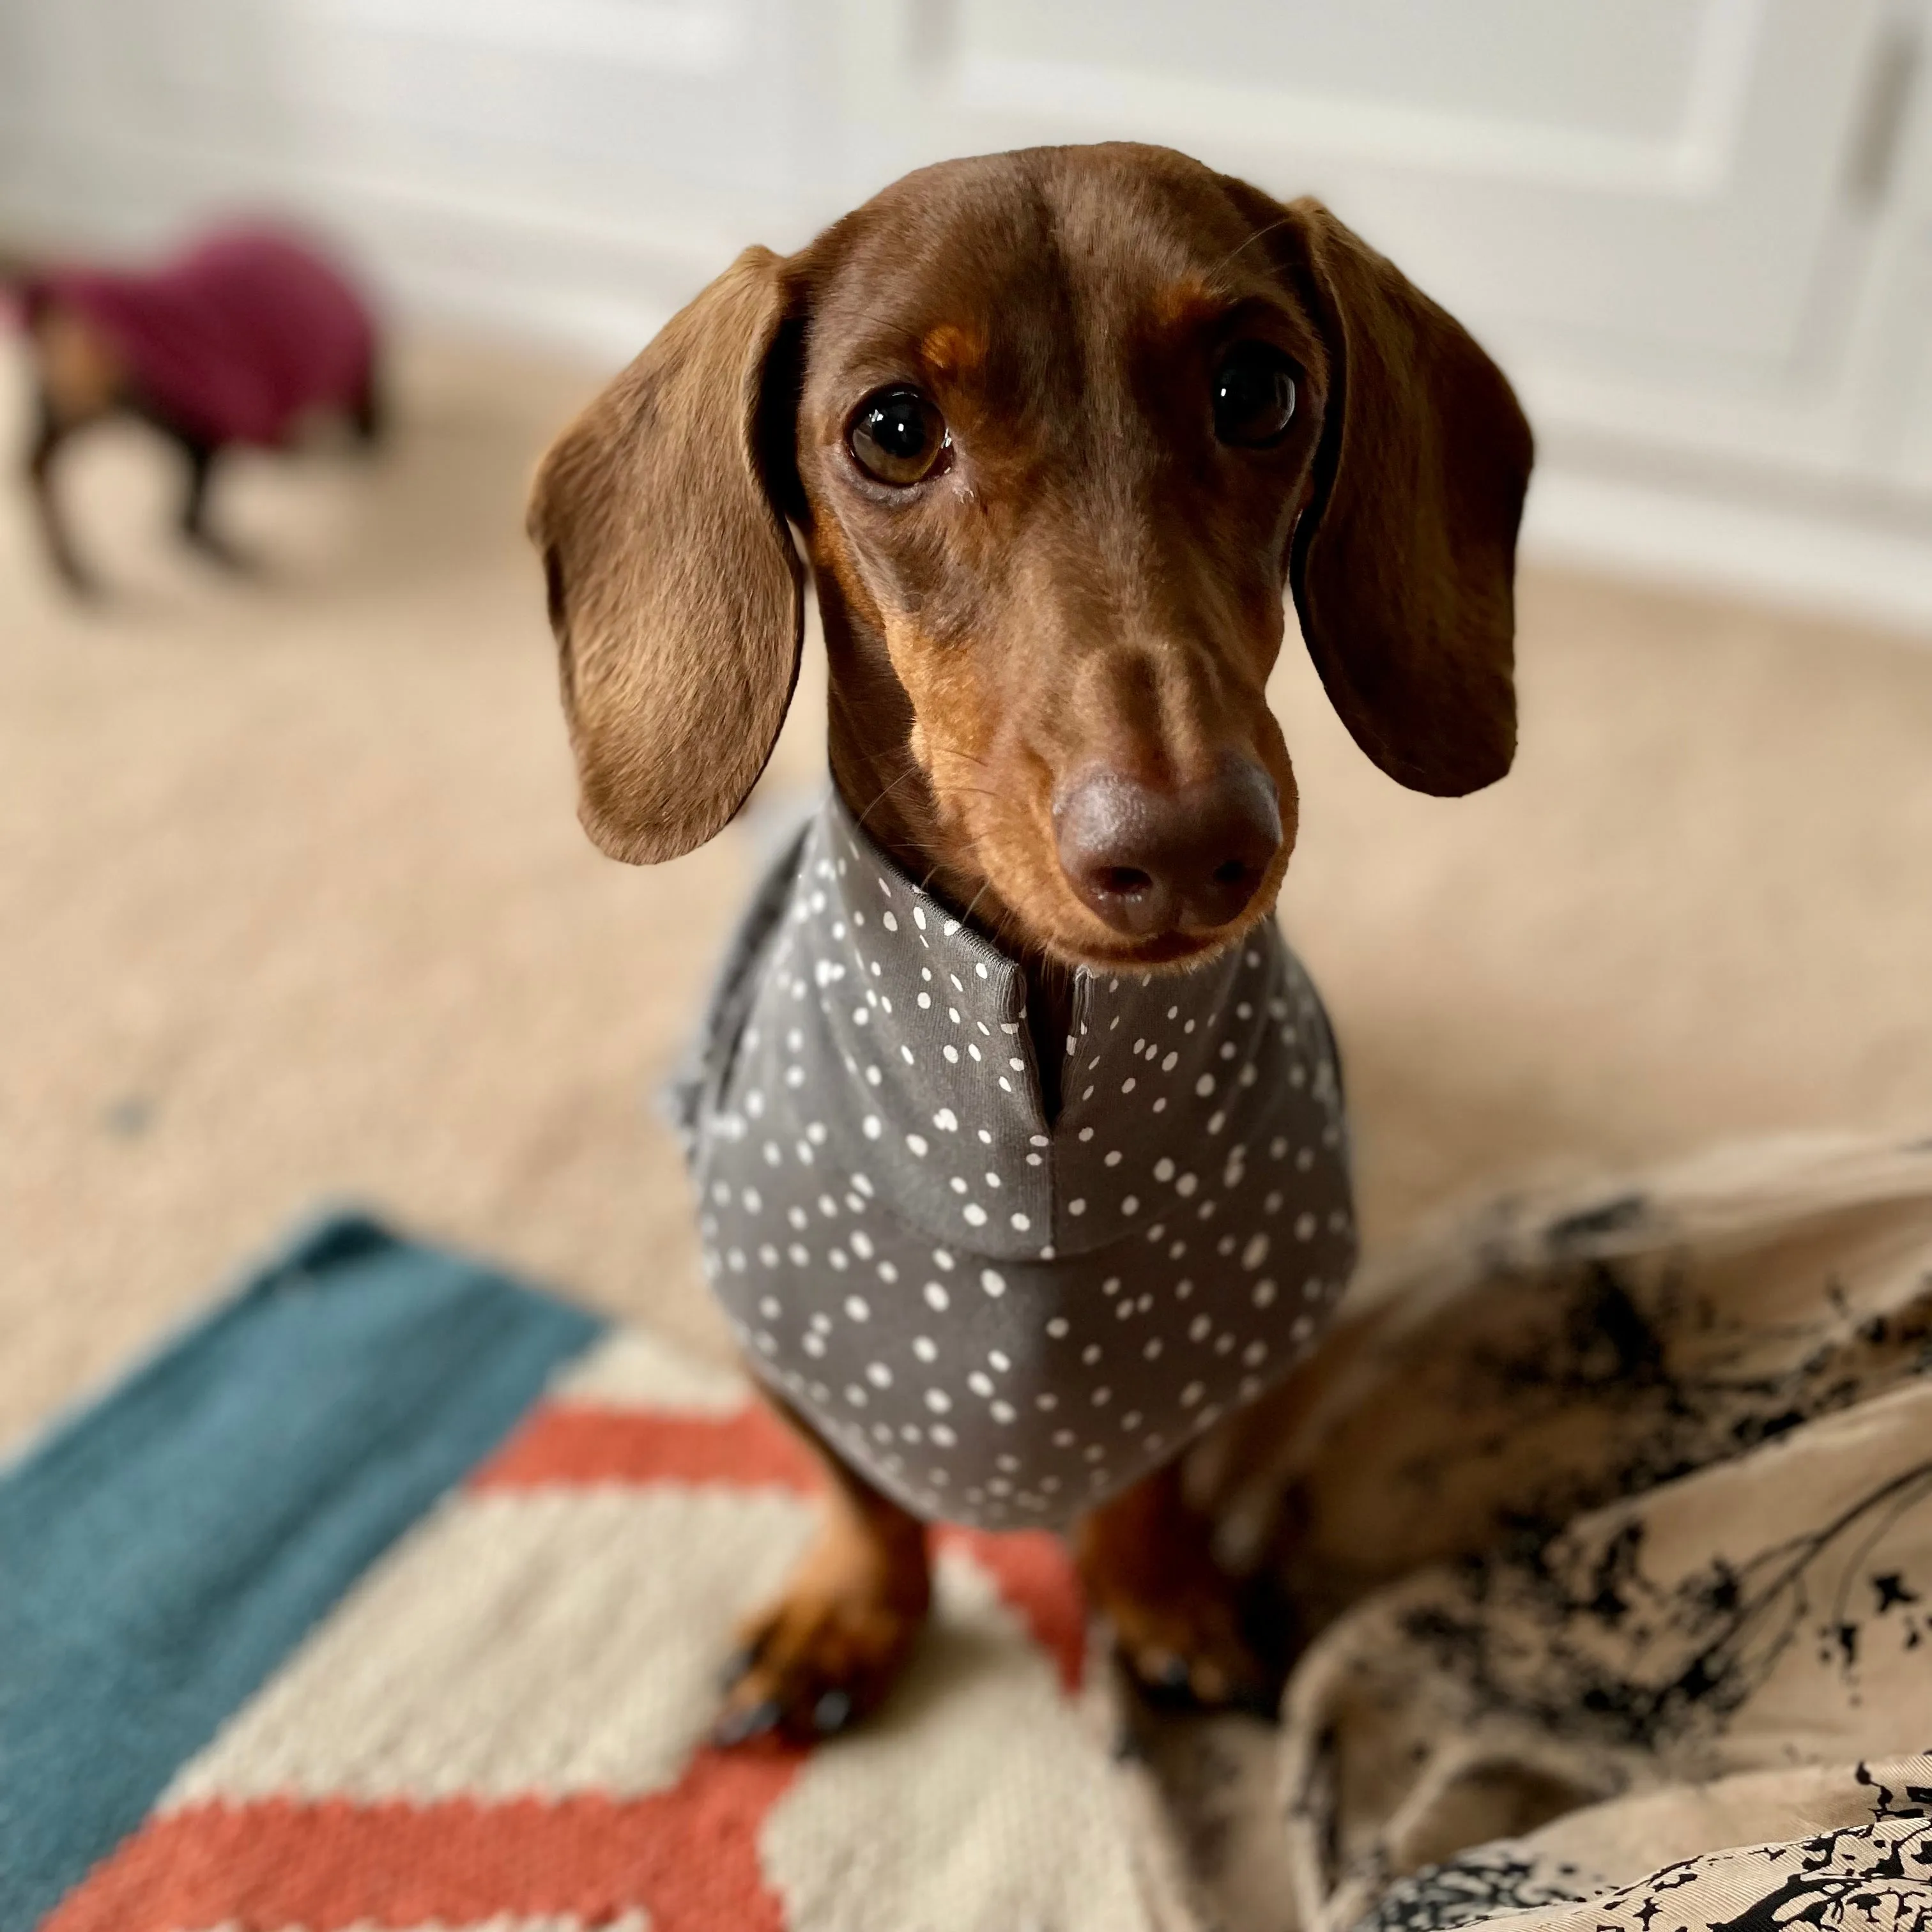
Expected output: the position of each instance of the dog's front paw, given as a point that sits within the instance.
(830, 1649)
(1179, 1621)
(1188, 1646)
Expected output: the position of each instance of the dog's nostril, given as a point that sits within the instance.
(1231, 872)
(1124, 879)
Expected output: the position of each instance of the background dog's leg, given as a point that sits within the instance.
(200, 455)
(829, 1650)
(369, 415)
(1148, 1563)
(50, 432)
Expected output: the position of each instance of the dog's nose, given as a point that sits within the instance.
(1152, 862)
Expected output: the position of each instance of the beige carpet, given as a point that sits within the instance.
(293, 905)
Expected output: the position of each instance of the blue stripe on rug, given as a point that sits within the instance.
(164, 1550)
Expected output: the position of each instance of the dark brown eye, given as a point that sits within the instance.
(1254, 396)
(897, 436)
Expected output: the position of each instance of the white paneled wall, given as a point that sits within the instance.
(1699, 232)
(574, 167)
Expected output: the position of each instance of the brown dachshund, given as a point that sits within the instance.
(1056, 429)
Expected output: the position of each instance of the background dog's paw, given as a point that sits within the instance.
(225, 554)
(816, 1661)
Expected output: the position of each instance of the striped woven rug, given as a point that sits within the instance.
(393, 1593)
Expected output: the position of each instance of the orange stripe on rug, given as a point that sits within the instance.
(688, 1856)
(1037, 1579)
(565, 1444)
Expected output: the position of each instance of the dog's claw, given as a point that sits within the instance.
(1210, 1682)
(1167, 1680)
(832, 1713)
(1170, 1682)
(1165, 1671)
(740, 1726)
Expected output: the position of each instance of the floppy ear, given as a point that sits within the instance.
(675, 593)
(1403, 561)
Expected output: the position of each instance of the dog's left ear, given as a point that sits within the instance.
(676, 595)
(1403, 563)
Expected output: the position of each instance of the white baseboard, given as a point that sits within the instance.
(1808, 558)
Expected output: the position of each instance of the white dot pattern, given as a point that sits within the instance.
(899, 1236)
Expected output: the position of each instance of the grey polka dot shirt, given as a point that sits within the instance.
(1001, 1320)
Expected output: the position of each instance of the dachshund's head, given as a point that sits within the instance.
(1057, 428)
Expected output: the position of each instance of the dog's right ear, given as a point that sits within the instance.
(675, 593)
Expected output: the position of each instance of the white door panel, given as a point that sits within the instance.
(1631, 203)
(1636, 93)
(1697, 232)
(677, 124)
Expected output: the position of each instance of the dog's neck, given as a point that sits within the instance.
(869, 728)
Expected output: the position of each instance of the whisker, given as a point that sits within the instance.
(1260, 234)
(912, 767)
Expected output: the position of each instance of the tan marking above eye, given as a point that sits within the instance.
(952, 351)
(1187, 300)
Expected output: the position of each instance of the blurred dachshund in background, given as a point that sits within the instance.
(241, 338)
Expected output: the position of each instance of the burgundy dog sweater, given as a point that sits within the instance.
(233, 340)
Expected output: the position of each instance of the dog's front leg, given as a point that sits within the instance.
(829, 1648)
(1147, 1560)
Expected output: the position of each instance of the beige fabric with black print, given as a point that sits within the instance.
(1608, 1524)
